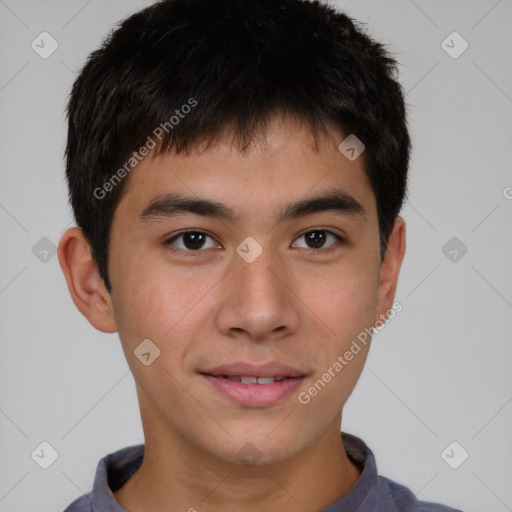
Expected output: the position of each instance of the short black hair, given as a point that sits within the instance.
(179, 72)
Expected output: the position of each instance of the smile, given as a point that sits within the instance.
(253, 391)
(253, 380)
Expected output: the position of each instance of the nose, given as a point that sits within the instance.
(257, 301)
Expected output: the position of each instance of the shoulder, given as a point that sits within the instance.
(82, 504)
(404, 500)
(112, 472)
(376, 493)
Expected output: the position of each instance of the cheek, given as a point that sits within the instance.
(344, 301)
(344, 298)
(152, 307)
(164, 304)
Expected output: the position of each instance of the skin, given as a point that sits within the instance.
(295, 303)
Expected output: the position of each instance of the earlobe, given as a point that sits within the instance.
(390, 268)
(85, 284)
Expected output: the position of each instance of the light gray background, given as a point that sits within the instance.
(439, 372)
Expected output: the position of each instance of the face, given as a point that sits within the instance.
(258, 282)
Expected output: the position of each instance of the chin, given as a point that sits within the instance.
(253, 448)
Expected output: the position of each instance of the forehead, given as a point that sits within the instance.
(285, 163)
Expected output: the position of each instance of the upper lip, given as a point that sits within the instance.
(272, 369)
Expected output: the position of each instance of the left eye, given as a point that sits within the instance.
(192, 241)
(317, 238)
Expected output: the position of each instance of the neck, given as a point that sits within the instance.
(176, 476)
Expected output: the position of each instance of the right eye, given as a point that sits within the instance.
(191, 241)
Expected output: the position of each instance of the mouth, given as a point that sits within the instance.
(251, 380)
(252, 385)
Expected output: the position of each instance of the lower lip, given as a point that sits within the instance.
(255, 395)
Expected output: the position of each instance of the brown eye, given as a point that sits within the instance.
(317, 239)
(192, 241)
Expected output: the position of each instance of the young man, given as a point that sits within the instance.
(236, 169)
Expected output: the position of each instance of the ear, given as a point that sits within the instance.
(84, 282)
(390, 269)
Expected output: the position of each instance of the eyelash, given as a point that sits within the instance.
(169, 242)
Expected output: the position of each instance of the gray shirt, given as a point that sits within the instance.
(372, 492)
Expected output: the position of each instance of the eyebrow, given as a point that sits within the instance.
(173, 205)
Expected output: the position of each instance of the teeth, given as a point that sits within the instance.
(255, 380)
(230, 377)
(266, 380)
(249, 380)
